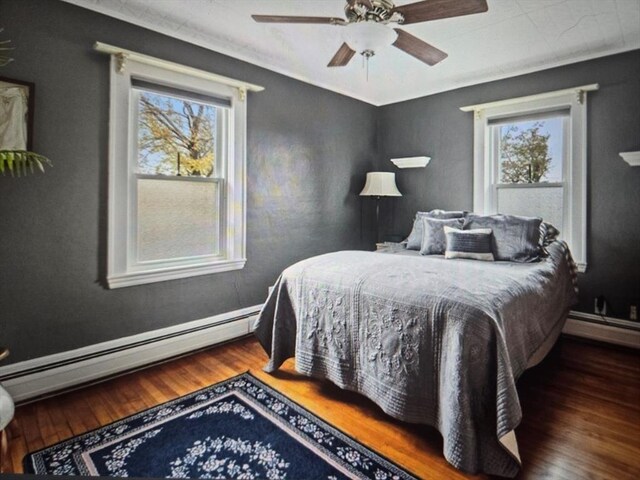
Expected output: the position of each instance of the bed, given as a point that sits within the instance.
(430, 340)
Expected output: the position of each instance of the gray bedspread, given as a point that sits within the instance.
(433, 341)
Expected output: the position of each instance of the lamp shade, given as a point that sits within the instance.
(380, 184)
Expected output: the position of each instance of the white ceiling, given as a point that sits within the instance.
(512, 38)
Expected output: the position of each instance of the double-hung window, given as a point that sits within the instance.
(530, 159)
(176, 171)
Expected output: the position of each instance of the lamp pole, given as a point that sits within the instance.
(377, 218)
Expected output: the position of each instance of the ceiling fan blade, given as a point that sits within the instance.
(418, 48)
(342, 56)
(290, 19)
(437, 9)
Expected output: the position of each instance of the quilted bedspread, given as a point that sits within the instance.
(433, 341)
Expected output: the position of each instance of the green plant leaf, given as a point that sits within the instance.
(10, 156)
(19, 162)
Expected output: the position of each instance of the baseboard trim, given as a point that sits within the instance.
(60, 371)
(608, 330)
(51, 373)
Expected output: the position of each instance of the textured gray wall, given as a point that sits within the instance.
(436, 127)
(308, 152)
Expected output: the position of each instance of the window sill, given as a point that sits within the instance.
(139, 278)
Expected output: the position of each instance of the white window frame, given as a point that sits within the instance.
(122, 268)
(485, 172)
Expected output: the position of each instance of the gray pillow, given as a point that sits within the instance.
(515, 238)
(473, 244)
(437, 213)
(414, 241)
(433, 240)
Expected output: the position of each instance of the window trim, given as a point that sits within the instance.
(574, 170)
(120, 270)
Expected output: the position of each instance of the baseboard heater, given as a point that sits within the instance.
(44, 375)
(603, 329)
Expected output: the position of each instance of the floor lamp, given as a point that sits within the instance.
(380, 184)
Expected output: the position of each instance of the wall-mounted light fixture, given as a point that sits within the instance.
(632, 158)
(411, 162)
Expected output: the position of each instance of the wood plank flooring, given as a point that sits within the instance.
(581, 411)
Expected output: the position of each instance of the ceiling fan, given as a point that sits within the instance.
(368, 26)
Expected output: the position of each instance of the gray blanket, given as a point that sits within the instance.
(433, 341)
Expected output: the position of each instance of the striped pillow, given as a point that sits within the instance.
(548, 235)
(473, 244)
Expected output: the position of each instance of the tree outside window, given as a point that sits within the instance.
(531, 151)
(176, 136)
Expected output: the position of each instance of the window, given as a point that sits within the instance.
(179, 174)
(529, 154)
(530, 159)
(177, 171)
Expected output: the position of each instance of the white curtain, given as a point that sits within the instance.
(13, 118)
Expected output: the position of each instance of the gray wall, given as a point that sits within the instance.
(308, 151)
(435, 126)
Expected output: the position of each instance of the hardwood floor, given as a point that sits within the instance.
(581, 411)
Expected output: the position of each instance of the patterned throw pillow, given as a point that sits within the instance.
(414, 241)
(434, 241)
(548, 234)
(473, 244)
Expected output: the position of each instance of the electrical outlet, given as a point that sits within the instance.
(633, 312)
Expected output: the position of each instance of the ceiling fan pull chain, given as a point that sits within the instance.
(367, 60)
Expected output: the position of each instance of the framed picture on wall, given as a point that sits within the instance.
(16, 114)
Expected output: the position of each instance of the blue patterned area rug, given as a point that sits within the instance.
(236, 429)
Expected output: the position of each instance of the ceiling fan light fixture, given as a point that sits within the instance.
(370, 26)
(368, 36)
